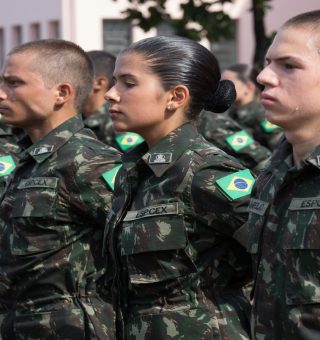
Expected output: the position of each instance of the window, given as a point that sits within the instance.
(116, 35)
(35, 31)
(16, 35)
(54, 29)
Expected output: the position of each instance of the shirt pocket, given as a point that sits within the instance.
(33, 215)
(302, 252)
(155, 247)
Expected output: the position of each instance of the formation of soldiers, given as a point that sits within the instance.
(137, 204)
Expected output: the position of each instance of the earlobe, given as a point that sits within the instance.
(64, 92)
(180, 96)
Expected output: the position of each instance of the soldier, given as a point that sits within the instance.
(95, 109)
(54, 206)
(284, 211)
(247, 110)
(180, 203)
(228, 135)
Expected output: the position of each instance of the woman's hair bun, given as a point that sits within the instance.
(223, 98)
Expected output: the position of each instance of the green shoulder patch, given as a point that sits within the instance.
(128, 140)
(239, 140)
(268, 127)
(7, 165)
(236, 185)
(110, 175)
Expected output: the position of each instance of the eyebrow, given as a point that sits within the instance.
(284, 58)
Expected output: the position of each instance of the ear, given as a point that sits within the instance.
(64, 93)
(100, 83)
(250, 86)
(179, 97)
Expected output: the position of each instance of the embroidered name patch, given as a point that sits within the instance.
(7, 165)
(257, 206)
(39, 182)
(161, 209)
(305, 203)
(236, 185)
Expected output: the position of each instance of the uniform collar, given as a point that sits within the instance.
(53, 141)
(165, 153)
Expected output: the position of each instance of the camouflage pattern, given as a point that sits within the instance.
(100, 123)
(251, 117)
(284, 234)
(174, 237)
(8, 148)
(52, 215)
(216, 128)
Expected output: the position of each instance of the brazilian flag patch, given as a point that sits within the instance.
(128, 140)
(236, 185)
(7, 165)
(239, 140)
(268, 127)
(110, 175)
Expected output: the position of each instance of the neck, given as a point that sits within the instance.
(302, 144)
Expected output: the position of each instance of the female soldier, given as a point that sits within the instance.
(180, 203)
(247, 110)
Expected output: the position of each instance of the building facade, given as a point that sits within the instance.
(100, 24)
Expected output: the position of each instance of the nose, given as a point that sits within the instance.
(112, 95)
(267, 77)
(3, 94)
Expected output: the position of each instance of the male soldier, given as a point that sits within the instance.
(229, 136)
(285, 209)
(54, 206)
(95, 109)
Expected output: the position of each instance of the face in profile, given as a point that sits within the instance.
(291, 78)
(24, 98)
(137, 100)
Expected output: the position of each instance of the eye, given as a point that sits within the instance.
(288, 66)
(129, 84)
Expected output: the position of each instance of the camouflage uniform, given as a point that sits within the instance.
(173, 235)
(227, 134)
(52, 216)
(252, 117)
(9, 154)
(284, 233)
(99, 122)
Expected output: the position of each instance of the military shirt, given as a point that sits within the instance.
(252, 117)
(228, 135)
(52, 214)
(174, 237)
(9, 154)
(100, 123)
(284, 234)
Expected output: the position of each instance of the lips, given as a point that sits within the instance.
(267, 100)
(114, 113)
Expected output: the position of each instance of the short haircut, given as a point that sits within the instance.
(246, 73)
(311, 18)
(56, 61)
(103, 63)
(181, 61)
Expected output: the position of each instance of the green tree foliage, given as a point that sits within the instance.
(211, 25)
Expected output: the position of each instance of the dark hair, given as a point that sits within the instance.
(176, 60)
(103, 63)
(58, 60)
(307, 18)
(246, 73)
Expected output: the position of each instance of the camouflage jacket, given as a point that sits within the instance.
(174, 234)
(284, 224)
(228, 135)
(51, 218)
(252, 118)
(9, 154)
(100, 123)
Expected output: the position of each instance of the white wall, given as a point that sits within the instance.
(281, 11)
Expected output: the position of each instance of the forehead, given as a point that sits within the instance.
(296, 42)
(18, 64)
(131, 63)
